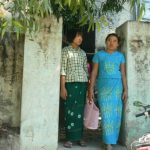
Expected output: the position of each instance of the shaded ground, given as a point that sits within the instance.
(93, 139)
(9, 138)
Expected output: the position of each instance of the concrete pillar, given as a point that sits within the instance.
(136, 46)
(40, 95)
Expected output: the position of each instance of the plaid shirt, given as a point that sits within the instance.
(74, 64)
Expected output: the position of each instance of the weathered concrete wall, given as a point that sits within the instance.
(41, 80)
(9, 140)
(136, 45)
(115, 20)
(11, 68)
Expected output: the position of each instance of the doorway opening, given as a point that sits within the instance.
(88, 45)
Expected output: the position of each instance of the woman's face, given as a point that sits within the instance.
(78, 39)
(112, 43)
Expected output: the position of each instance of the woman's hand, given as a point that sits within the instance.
(90, 96)
(63, 93)
(92, 82)
(125, 95)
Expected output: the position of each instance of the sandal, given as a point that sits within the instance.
(68, 144)
(82, 143)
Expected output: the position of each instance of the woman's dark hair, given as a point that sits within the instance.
(113, 34)
(72, 34)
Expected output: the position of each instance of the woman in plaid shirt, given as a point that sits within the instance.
(74, 77)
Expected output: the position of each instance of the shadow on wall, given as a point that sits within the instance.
(11, 70)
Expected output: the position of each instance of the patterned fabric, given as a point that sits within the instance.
(74, 65)
(74, 107)
(110, 89)
(109, 64)
(110, 103)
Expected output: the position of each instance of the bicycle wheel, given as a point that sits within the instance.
(144, 147)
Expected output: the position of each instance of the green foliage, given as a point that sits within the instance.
(140, 4)
(82, 12)
(24, 14)
(113, 5)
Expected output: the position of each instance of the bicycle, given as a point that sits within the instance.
(143, 143)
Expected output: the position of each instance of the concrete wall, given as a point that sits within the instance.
(114, 21)
(11, 68)
(136, 46)
(40, 96)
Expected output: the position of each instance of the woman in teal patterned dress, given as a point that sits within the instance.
(109, 68)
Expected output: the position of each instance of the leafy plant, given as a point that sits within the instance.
(21, 15)
(140, 4)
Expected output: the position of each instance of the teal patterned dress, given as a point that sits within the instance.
(109, 85)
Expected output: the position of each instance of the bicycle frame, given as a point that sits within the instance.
(143, 143)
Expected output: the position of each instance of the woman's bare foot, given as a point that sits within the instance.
(108, 147)
(82, 143)
(68, 144)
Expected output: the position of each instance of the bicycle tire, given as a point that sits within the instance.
(143, 145)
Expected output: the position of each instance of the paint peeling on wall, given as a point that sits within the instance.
(47, 33)
(43, 41)
(140, 47)
(139, 43)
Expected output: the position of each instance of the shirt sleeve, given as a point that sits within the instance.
(64, 57)
(122, 59)
(85, 65)
(95, 58)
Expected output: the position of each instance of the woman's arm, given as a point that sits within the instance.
(92, 82)
(124, 81)
(63, 73)
(85, 66)
(63, 91)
